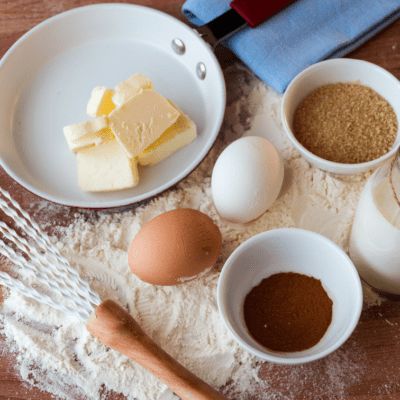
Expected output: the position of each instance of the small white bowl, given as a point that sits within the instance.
(333, 71)
(291, 250)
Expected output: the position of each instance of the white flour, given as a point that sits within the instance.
(57, 354)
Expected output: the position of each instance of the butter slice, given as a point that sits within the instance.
(106, 167)
(78, 131)
(85, 134)
(178, 135)
(128, 88)
(91, 139)
(100, 102)
(141, 120)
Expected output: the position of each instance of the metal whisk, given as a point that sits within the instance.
(46, 263)
(106, 320)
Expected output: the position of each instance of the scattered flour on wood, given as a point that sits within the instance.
(57, 354)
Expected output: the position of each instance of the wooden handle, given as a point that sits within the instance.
(116, 328)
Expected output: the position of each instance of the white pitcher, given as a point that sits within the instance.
(375, 235)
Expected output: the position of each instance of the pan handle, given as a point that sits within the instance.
(116, 328)
(256, 11)
(241, 13)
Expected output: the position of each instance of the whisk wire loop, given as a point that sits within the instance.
(49, 278)
(46, 263)
(15, 284)
(44, 242)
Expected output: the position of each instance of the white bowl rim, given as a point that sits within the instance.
(269, 357)
(346, 168)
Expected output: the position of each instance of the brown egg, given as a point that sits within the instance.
(175, 247)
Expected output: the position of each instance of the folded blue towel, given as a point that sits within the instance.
(305, 32)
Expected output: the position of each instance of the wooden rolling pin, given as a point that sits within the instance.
(116, 328)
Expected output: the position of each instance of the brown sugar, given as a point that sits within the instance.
(346, 123)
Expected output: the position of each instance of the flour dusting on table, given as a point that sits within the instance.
(57, 354)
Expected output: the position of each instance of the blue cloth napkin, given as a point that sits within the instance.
(306, 32)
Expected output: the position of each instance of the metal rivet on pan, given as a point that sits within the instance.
(201, 70)
(178, 46)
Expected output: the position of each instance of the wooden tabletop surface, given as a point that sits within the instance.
(378, 332)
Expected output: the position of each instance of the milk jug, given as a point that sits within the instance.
(375, 235)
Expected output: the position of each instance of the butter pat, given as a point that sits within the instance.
(78, 131)
(106, 167)
(141, 120)
(89, 140)
(85, 134)
(178, 135)
(100, 102)
(128, 88)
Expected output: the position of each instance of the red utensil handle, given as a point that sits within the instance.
(116, 328)
(257, 11)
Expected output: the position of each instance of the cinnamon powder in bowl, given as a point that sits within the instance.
(289, 296)
(288, 312)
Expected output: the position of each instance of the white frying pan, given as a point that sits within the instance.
(47, 76)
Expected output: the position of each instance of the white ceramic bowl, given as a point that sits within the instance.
(47, 77)
(333, 71)
(291, 250)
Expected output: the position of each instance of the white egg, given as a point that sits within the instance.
(246, 179)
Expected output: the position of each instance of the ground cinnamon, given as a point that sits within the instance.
(288, 312)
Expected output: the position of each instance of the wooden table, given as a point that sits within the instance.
(378, 331)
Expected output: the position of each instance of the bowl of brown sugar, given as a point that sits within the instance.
(343, 115)
(289, 296)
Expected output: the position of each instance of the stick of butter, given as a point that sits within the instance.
(141, 120)
(128, 88)
(106, 167)
(178, 135)
(89, 133)
(100, 102)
